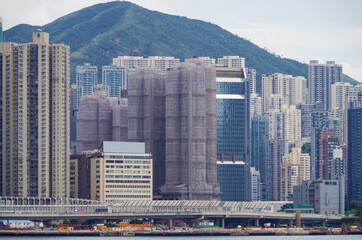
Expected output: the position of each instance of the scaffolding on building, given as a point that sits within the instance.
(93, 121)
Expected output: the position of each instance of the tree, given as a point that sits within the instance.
(306, 148)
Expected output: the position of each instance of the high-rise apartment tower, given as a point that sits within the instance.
(35, 141)
(320, 78)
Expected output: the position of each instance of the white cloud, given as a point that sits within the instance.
(301, 35)
(354, 72)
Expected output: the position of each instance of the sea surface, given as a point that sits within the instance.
(323, 237)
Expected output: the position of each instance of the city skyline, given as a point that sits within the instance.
(290, 29)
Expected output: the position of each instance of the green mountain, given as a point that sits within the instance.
(101, 32)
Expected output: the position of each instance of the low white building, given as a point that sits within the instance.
(255, 185)
(17, 224)
(323, 196)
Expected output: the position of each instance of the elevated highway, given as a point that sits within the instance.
(253, 213)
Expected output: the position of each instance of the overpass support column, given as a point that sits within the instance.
(256, 222)
(170, 223)
(291, 225)
(277, 224)
(222, 222)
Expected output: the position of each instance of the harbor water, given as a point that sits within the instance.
(324, 237)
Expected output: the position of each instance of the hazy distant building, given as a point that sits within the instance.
(205, 60)
(275, 151)
(259, 135)
(299, 95)
(275, 84)
(231, 62)
(320, 123)
(338, 164)
(35, 141)
(73, 100)
(294, 169)
(292, 89)
(292, 123)
(339, 92)
(276, 124)
(354, 100)
(94, 121)
(255, 105)
(86, 80)
(306, 120)
(113, 80)
(328, 143)
(320, 78)
(336, 120)
(159, 63)
(275, 102)
(251, 76)
(1, 29)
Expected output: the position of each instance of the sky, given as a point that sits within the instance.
(325, 30)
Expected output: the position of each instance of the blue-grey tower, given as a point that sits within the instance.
(114, 80)
(259, 135)
(86, 80)
(355, 154)
(232, 128)
(1, 29)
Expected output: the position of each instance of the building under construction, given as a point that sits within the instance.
(191, 132)
(94, 121)
(146, 116)
(120, 121)
(174, 113)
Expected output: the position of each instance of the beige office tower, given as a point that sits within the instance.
(35, 124)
